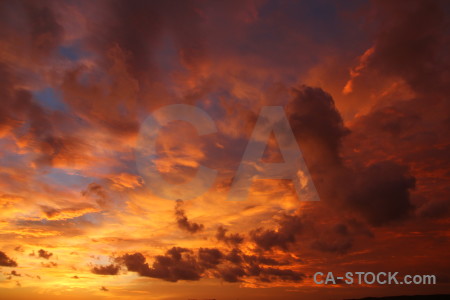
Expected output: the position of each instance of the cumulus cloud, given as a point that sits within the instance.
(44, 254)
(111, 269)
(233, 239)
(380, 192)
(209, 257)
(6, 261)
(337, 240)
(185, 264)
(290, 226)
(313, 117)
(176, 264)
(412, 44)
(182, 220)
(410, 47)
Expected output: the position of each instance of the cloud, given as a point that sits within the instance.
(338, 240)
(44, 254)
(232, 274)
(19, 248)
(290, 226)
(185, 264)
(98, 193)
(126, 181)
(182, 22)
(255, 266)
(233, 239)
(410, 48)
(111, 269)
(67, 213)
(50, 264)
(14, 273)
(381, 192)
(109, 63)
(182, 220)
(270, 274)
(314, 119)
(176, 264)
(411, 44)
(6, 261)
(209, 257)
(435, 209)
(43, 32)
(19, 108)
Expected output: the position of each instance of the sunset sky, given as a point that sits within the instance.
(364, 86)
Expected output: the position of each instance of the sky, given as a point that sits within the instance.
(364, 88)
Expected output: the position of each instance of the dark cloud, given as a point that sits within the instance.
(314, 119)
(182, 220)
(258, 259)
(111, 269)
(44, 254)
(319, 130)
(177, 264)
(232, 274)
(411, 46)
(34, 126)
(184, 264)
(412, 43)
(237, 257)
(270, 274)
(232, 239)
(290, 226)
(130, 57)
(381, 192)
(19, 107)
(234, 256)
(337, 240)
(124, 41)
(135, 263)
(38, 33)
(29, 44)
(435, 209)
(66, 150)
(6, 261)
(182, 21)
(209, 257)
